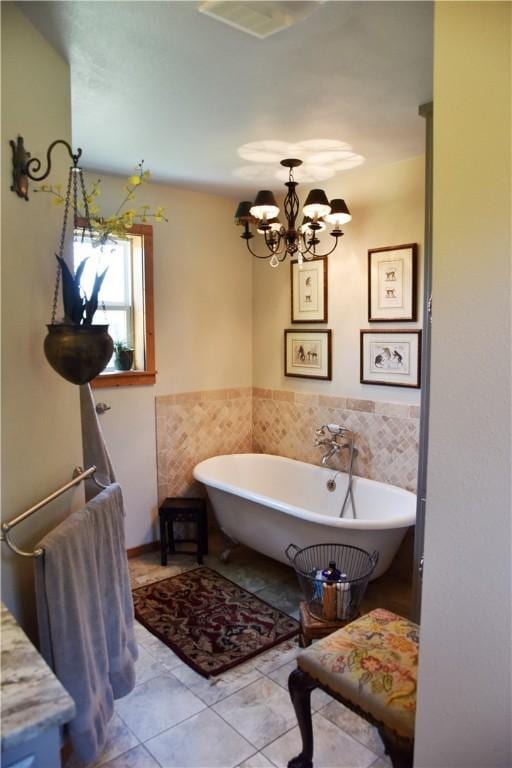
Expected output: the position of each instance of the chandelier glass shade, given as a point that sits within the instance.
(297, 239)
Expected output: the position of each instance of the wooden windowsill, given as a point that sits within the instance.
(124, 379)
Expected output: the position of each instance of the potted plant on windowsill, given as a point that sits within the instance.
(75, 348)
(123, 356)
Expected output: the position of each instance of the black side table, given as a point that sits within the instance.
(185, 510)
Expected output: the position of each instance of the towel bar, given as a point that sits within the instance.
(78, 475)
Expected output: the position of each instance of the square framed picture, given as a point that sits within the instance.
(307, 354)
(392, 283)
(309, 290)
(392, 358)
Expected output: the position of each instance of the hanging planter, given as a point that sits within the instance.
(75, 348)
(78, 353)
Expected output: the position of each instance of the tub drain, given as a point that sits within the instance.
(331, 484)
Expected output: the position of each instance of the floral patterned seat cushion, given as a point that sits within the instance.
(372, 663)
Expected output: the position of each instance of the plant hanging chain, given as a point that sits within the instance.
(74, 173)
(61, 245)
(79, 308)
(87, 225)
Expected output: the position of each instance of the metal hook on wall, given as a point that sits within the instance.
(25, 167)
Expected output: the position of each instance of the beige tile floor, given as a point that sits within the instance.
(174, 718)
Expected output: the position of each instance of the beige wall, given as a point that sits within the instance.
(464, 704)
(203, 300)
(41, 438)
(387, 205)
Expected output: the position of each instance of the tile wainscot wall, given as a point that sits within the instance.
(192, 426)
(386, 434)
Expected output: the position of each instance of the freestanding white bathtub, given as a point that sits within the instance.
(267, 502)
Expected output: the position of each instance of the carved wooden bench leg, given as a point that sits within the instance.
(300, 686)
(400, 757)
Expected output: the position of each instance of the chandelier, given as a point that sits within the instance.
(289, 239)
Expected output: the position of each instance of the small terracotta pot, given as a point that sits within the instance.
(78, 353)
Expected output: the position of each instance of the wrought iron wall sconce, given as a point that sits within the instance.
(25, 167)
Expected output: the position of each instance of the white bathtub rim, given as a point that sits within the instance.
(402, 521)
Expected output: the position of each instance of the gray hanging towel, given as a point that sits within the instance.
(85, 615)
(94, 448)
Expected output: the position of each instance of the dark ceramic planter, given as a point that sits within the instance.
(123, 360)
(78, 352)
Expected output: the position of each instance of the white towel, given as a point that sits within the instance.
(94, 447)
(85, 615)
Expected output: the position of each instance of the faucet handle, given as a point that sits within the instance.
(320, 432)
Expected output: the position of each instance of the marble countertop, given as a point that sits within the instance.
(32, 697)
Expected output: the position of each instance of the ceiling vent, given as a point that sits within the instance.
(260, 19)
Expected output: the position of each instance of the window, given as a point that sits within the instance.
(125, 301)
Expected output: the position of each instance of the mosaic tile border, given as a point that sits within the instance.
(199, 395)
(399, 410)
(386, 434)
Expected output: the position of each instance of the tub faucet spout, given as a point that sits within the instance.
(330, 453)
(329, 437)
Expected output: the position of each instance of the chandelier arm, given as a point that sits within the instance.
(321, 255)
(257, 255)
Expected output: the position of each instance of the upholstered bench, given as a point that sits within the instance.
(370, 666)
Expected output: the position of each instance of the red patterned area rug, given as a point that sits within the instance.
(210, 622)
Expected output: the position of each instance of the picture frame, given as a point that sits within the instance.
(308, 353)
(391, 358)
(309, 290)
(392, 283)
